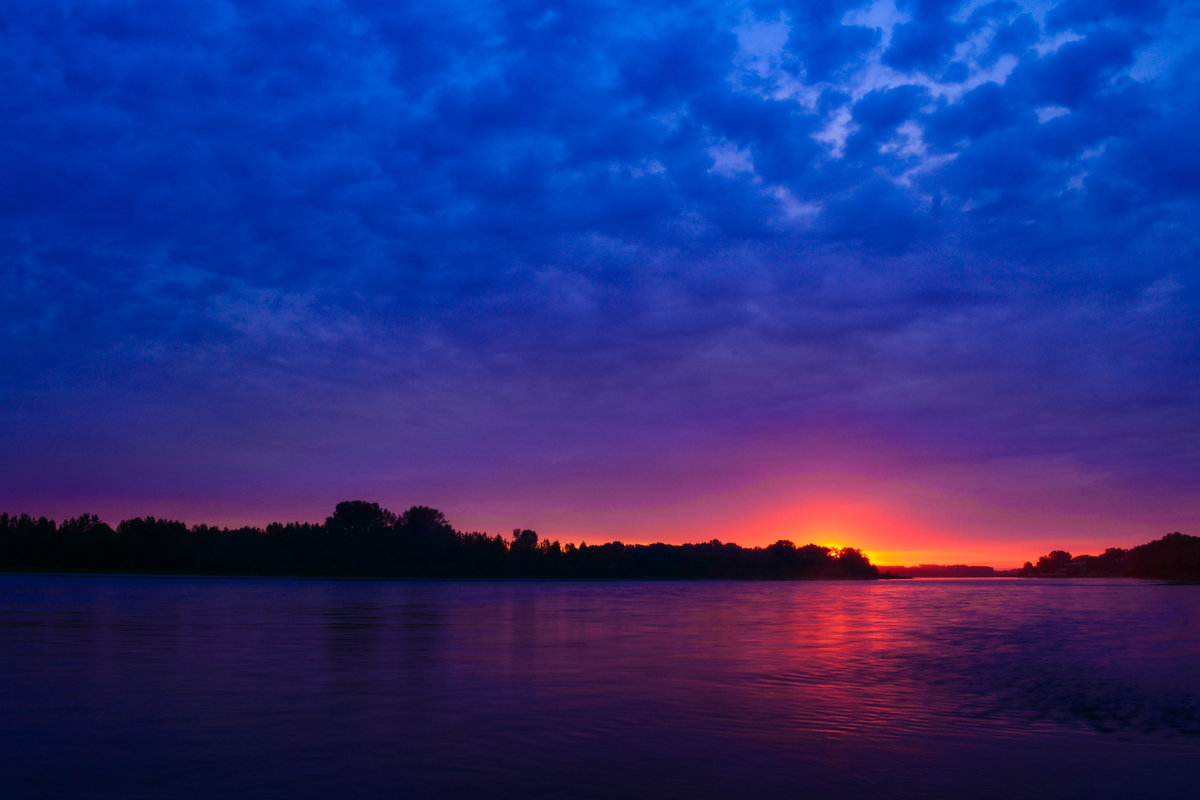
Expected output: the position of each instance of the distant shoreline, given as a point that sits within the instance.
(5, 573)
(362, 540)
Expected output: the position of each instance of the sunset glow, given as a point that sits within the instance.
(440, 399)
(917, 278)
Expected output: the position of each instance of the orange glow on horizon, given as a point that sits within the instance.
(834, 487)
(885, 537)
(886, 534)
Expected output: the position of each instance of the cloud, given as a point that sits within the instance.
(885, 109)
(1078, 70)
(923, 45)
(347, 234)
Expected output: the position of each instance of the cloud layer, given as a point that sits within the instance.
(357, 246)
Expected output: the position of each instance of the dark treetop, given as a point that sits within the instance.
(362, 539)
(1176, 556)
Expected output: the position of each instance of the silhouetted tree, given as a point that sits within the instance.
(430, 540)
(362, 538)
(524, 540)
(851, 561)
(1053, 563)
(149, 544)
(1174, 556)
(84, 541)
(359, 516)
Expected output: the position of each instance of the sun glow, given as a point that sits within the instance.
(836, 545)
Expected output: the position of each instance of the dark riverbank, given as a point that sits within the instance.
(1175, 556)
(363, 540)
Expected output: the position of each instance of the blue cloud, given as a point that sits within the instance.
(1075, 13)
(885, 109)
(924, 44)
(1081, 69)
(500, 218)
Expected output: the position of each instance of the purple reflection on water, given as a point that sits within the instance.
(120, 687)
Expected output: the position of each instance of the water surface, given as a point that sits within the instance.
(149, 687)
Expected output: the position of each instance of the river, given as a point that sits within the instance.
(126, 687)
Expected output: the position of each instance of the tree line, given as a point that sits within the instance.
(1175, 556)
(363, 539)
(942, 571)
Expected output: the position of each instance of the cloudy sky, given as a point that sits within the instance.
(917, 277)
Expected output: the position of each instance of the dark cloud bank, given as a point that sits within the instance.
(397, 246)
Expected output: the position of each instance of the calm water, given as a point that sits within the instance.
(157, 687)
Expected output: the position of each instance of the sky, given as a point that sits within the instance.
(919, 278)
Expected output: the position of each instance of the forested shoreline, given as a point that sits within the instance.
(362, 539)
(1175, 556)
